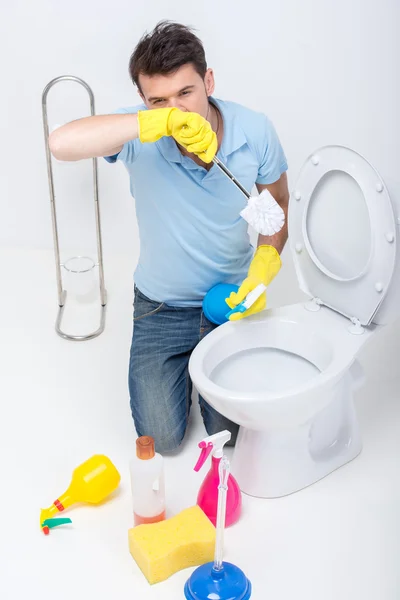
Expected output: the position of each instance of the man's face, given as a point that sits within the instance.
(184, 89)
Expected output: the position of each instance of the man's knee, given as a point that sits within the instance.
(165, 445)
(168, 429)
(165, 439)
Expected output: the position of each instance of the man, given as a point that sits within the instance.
(191, 234)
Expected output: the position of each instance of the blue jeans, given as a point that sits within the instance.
(159, 384)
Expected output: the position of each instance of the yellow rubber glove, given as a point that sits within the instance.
(265, 265)
(189, 129)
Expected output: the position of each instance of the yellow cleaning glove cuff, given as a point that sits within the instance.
(265, 265)
(154, 124)
(263, 268)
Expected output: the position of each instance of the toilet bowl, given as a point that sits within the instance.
(287, 376)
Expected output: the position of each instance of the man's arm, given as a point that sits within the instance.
(99, 135)
(279, 190)
(105, 135)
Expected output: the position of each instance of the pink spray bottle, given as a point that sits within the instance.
(207, 497)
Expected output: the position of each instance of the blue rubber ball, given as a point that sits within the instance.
(214, 306)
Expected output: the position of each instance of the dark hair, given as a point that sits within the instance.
(167, 48)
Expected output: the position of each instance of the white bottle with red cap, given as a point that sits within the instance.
(147, 482)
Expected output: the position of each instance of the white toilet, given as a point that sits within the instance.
(287, 375)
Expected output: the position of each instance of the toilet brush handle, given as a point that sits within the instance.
(230, 176)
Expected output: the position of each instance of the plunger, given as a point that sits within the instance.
(219, 580)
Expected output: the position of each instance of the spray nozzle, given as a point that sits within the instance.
(213, 444)
(50, 523)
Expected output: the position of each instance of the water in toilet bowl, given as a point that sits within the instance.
(263, 369)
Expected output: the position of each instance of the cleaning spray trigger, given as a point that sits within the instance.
(213, 443)
(206, 450)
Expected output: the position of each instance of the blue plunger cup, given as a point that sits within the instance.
(219, 580)
(214, 306)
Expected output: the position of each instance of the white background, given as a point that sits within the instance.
(325, 72)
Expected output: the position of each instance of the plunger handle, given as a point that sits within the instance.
(221, 512)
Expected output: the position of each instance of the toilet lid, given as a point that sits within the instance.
(342, 231)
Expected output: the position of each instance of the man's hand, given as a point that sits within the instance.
(263, 268)
(189, 129)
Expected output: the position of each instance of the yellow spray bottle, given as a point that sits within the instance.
(91, 482)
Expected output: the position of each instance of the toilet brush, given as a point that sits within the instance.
(219, 580)
(262, 212)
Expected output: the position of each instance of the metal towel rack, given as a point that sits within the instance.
(62, 294)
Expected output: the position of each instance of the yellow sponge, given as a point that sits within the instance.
(161, 549)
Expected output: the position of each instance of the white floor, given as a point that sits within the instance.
(61, 402)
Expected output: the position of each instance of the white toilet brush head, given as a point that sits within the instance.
(264, 214)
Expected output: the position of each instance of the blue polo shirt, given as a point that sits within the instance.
(191, 234)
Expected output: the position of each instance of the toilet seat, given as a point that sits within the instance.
(358, 294)
(322, 339)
